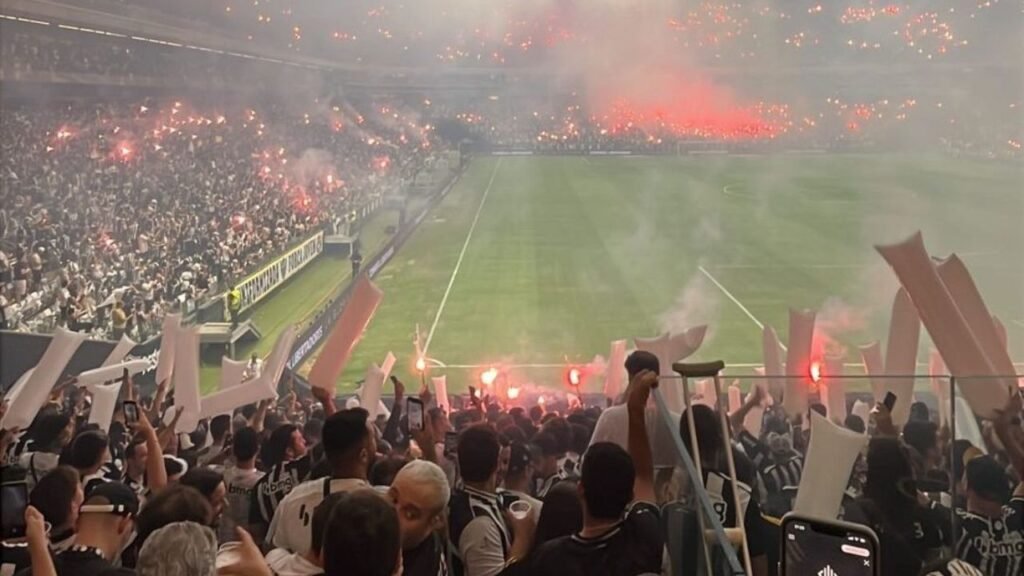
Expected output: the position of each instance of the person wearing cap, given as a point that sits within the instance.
(106, 523)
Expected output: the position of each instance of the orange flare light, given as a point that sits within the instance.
(421, 364)
(815, 372)
(513, 393)
(489, 376)
(575, 377)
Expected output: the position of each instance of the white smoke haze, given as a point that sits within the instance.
(311, 166)
(696, 304)
(838, 320)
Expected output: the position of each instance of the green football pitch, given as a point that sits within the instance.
(535, 263)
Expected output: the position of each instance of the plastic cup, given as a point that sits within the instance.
(519, 509)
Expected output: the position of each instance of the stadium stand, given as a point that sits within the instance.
(155, 197)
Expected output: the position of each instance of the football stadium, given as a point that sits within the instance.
(511, 288)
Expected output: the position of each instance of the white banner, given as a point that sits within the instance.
(232, 372)
(165, 358)
(104, 400)
(441, 392)
(373, 386)
(31, 394)
(186, 377)
(112, 372)
(830, 459)
(124, 346)
(262, 283)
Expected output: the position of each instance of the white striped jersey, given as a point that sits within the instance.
(995, 546)
(271, 489)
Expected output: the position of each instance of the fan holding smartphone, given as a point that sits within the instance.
(414, 409)
(13, 500)
(814, 547)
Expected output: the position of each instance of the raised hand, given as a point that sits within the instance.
(399, 388)
(1012, 410)
(640, 389)
(883, 420)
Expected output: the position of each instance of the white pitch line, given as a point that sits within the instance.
(789, 267)
(736, 302)
(726, 190)
(458, 263)
(565, 364)
(731, 297)
(509, 366)
(1019, 323)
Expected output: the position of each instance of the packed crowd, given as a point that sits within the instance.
(113, 214)
(510, 33)
(300, 487)
(32, 52)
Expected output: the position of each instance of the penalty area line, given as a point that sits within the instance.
(735, 301)
(458, 263)
(730, 296)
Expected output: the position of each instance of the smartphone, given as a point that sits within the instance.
(451, 444)
(889, 401)
(814, 547)
(14, 500)
(414, 409)
(131, 412)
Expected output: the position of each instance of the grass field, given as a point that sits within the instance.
(540, 261)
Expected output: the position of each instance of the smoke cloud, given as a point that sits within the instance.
(697, 303)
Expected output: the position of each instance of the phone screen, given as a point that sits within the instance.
(415, 410)
(820, 549)
(889, 401)
(14, 499)
(451, 443)
(131, 412)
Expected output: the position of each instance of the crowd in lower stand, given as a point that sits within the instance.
(159, 205)
(300, 487)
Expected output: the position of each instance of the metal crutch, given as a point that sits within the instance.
(713, 370)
